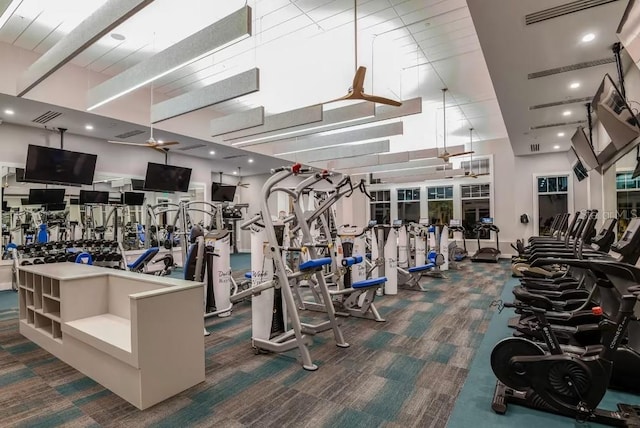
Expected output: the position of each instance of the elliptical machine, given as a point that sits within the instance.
(457, 253)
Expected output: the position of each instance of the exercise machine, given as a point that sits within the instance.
(486, 254)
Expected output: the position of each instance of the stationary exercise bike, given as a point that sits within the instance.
(563, 383)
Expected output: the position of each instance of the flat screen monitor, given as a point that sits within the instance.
(580, 171)
(373, 223)
(137, 184)
(167, 178)
(56, 207)
(584, 149)
(46, 196)
(19, 175)
(615, 115)
(487, 220)
(222, 192)
(455, 222)
(397, 222)
(49, 165)
(93, 197)
(74, 201)
(24, 201)
(133, 199)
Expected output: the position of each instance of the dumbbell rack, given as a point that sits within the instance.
(40, 304)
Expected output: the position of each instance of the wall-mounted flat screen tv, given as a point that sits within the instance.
(222, 192)
(133, 199)
(93, 197)
(49, 165)
(615, 115)
(167, 178)
(584, 149)
(137, 184)
(46, 196)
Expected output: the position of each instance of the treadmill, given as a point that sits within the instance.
(486, 254)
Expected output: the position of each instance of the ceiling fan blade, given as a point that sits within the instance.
(126, 143)
(159, 149)
(461, 154)
(167, 143)
(358, 79)
(381, 100)
(349, 96)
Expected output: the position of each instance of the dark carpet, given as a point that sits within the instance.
(405, 372)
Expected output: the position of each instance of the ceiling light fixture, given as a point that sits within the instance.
(235, 172)
(560, 134)
(88, 127)
(574, 85)
(211, 152)
(160, 142)
(566, 113)
(556, 147)
(588, 37)
(9, 112)
(8, 12)
(250, 160)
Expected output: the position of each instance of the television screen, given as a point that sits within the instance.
(74, 201)
(580, 171)
(19, 175)
(46, 196)
(584, 149)
(133, 198)
(56, 207)
(222, 192)
(49, 165)
(167, 178)
(397, 222)
(614, 114)
(24, 201)
(93, 197)
(137, 184)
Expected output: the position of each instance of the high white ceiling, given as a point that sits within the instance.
(513, 50)
(305, 50)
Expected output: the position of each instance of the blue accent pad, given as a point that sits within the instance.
(190, 253)
(350, 261)
(248, 275)
(458, 258)
(144, 258)
(315, 263)
(43, 236)
(80, 258)
(422, 268)
(368, 255)
(373, 282)
(11, 246)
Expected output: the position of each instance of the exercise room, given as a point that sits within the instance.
(320, 213)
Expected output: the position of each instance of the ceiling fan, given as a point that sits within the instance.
(470, 173)
(356, 91)
(152, 143)
(240, 183)
(446, 155)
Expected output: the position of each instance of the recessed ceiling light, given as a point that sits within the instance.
(160, 142)
(235, 172)
(9, 112)
(88, 127)
(574, 85)
(212, 152)
(250, 160)
(566, 113)
(556, 147)
(560, 134)
(588, 37)
(118, 36)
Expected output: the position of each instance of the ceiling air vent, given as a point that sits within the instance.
(553, 125)
(535, 148)
(197, 146)
(234, 156)
(561, 103)
(46, 117)
(572, 67)
(129, 134)
(564, 9)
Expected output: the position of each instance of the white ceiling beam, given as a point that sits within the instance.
(343, 152)
(224, 90)
(237, 121)
(93, 28)
(342, 117)
(411, 171)
(317, 141)
(291, 128)
(438, 175)
(220, 34)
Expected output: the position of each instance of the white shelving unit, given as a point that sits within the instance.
(138, 335)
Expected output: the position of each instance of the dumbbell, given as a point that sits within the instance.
(61, 258)
(25, 263)
(50, 259)
(38, 262)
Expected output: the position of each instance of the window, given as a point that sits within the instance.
(409, 204)
(440, 204)
(628, 196)
(479, 166)
(476, 205)
(380, 206)
(553, 198)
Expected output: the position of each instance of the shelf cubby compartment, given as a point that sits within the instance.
(37, 292)
(22, 278)
(28, 295)
(55, 288)
(57, 330)
(46, 285)
(30, 316)
(23, 304)
(51, 307)
(44, 323)
(28, 280)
